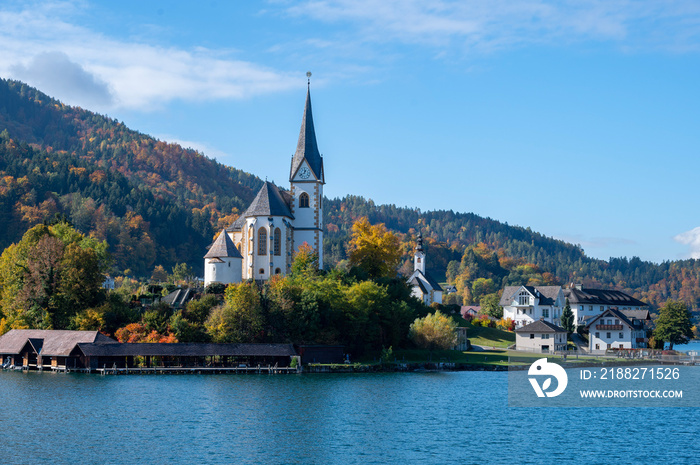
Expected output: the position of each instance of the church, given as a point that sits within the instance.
(264, 238)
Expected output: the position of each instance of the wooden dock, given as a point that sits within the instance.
(271, 370)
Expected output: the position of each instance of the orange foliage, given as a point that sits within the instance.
(136, 332)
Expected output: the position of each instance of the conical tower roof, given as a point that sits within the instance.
(307, 147)
(223, 247)
(269, 202)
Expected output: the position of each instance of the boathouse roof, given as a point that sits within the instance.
(186, 349)
(49, 342)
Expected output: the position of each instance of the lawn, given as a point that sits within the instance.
(490, 337)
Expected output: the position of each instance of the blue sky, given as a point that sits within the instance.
(577, 119)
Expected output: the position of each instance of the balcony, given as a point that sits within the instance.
(609, 327)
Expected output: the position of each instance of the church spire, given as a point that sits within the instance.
(307, 148)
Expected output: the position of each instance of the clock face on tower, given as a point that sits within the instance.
(304, 173)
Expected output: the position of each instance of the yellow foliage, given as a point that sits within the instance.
(374, 249)
(77, 171)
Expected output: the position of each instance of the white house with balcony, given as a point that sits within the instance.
(528, 304)
(612, 329)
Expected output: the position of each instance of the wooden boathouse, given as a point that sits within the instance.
(38, 349)
(91, 351)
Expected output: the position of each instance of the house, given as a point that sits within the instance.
(424, 286)
(527, 304)
(179, 298)
(540, 336)
(262, 241)
(468, 312)
(587, 303)
(108, 283)
(613, 329)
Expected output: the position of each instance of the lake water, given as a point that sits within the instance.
(692, 345)
(392, 418)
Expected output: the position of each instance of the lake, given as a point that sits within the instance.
(693, 345)
(383, 418)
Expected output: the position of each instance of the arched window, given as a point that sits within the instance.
(262, 241)
(277, 243)
(261, 271)
(278, 271)
(304, 200)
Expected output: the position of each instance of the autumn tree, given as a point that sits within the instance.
(50, 276)
(373, 249)
(305, 261)
(673, 324)
(434, 331)
(159, 274)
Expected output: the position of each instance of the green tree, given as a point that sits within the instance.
(482, 287)
(374, 250)
(434, 331)
(567, 318)
(50, 276)
(490, 305)
(240, 319)
(182, 273)
(673, 324)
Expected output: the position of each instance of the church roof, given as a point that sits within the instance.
(223, 247)
(270, 201)
(307, 147)
(420, 279)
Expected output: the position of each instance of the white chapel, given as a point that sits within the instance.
(263, 240)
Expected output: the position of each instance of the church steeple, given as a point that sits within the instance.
(307, 148)
(419, 256)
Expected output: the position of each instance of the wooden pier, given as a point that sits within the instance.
(271, 370)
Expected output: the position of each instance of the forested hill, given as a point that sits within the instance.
(447, 233)
(154, 202)
(159, 204)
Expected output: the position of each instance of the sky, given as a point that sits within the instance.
(577, 119)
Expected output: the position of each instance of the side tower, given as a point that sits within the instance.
(307, 179)
(223, 262)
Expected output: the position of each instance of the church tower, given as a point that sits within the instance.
(307, 179)
(419, 256)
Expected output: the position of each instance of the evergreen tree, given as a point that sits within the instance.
(567, 319)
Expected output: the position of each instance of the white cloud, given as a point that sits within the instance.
(55, 74)
(500, 24)
(692, 239)
(38, 45)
